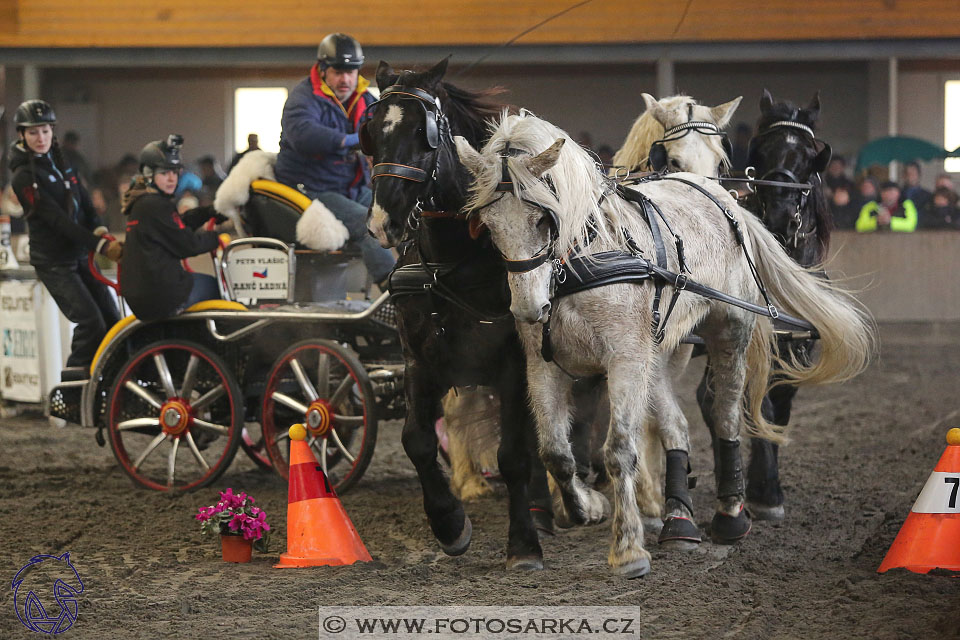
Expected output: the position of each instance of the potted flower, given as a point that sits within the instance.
(240, 524)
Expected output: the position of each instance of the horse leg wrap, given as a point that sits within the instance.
(680, 531)
(730, 472)
(727, 529)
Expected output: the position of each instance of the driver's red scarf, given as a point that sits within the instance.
(356, 106)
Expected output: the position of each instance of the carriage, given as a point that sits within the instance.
(178, 397)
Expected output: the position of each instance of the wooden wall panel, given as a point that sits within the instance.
(126, 23)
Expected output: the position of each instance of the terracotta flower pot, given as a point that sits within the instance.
(235, 548)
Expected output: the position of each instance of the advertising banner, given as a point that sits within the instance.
(20, 352)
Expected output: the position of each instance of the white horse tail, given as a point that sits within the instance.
(847, 332)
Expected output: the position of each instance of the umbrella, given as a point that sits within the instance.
(901, 149)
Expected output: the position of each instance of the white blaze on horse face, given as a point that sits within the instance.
(377, 224)
(392, 118)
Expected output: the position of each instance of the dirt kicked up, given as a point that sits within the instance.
(859, 455)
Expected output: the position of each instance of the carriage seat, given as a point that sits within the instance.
(273, 211)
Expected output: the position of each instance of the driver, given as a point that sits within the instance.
(319, 142)
(153, 280)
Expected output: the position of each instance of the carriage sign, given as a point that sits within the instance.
(259, 274)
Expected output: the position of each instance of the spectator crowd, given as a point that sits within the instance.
(868, 205)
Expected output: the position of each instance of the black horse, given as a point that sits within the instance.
(785, 150)
(451, 296)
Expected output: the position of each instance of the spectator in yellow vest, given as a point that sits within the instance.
(889, 214)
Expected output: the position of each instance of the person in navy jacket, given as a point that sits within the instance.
(319, 143)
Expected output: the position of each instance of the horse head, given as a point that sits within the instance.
(522, 227)
(408, 135)
(786, 149)
(677, 134)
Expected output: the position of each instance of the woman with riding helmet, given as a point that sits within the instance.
(153, 280)
(63, 228)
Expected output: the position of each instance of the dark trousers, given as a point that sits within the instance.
(85, 302)
(204, 288)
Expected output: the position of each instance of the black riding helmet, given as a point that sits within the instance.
(161, 155)
(34, 113)
(340, 51)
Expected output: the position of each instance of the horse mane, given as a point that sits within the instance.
(470, 112)
(645, 131)
(577, 184)
(817, 202)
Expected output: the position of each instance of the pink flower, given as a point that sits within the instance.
(237, 521)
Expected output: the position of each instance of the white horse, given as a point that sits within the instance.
(695, 144)
(608, 330)
(692, 140)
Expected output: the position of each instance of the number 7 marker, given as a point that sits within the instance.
(930, 537)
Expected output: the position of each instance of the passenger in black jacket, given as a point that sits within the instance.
(153, 280)
(63, 228)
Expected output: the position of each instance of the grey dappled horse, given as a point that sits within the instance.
(608, 330)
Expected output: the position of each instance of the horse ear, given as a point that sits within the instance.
(648, 100)
(436, 73)
(722, 113)
(824, 154)
(469, 156)
(814, 107)
(539, 163)
(385, 75)
(766, 101)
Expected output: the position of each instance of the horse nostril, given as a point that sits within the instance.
(545, 311)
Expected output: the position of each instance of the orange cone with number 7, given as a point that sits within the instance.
(930, 538)
(319, 532)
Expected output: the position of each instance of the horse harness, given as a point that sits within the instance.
(436, 130)
(658, 152)
(577, 272)
(434, 279)
(794, 228)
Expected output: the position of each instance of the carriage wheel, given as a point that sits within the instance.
(175, 416)
(255, 448)
(322, 385)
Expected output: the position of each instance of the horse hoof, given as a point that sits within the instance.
(766, 512)
(462, 543)
(524, 563)
(725, 529)
(636, 569)
(679, 534)
(652, 524)
(543, 521)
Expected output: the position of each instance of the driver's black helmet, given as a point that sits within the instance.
(340, 51)
(33, 113)
(162, 154)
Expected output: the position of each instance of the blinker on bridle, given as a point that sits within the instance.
(658, 152)
(507, 185)
(433, 116)
(793, 182)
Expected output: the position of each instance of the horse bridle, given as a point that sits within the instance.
(794, 233)
(436, 130)
(658, 152)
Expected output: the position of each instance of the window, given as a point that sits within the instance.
(257, 110)
(951, 123)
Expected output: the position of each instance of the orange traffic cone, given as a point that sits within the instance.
(930, 538)
(319, 532)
